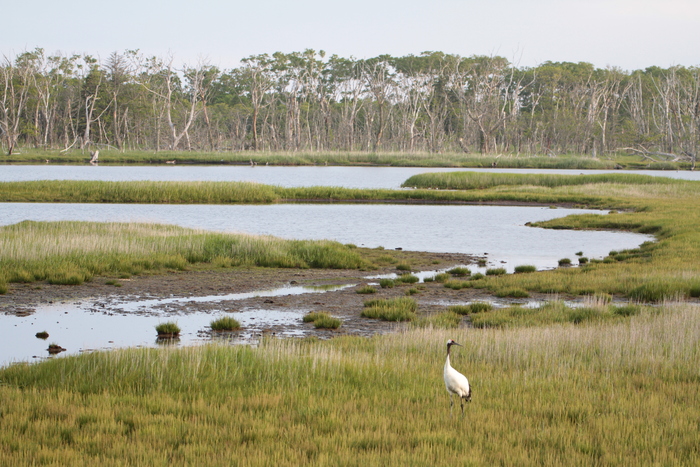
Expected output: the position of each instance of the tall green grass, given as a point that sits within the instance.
(73, 252)
(483, 180)
(622, 393)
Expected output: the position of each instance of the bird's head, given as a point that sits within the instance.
(451, 342)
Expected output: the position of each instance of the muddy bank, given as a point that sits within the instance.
(158, 291)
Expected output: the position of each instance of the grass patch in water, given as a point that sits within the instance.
(526, 268)
(168, 329)
(459, 271)
(225, 323)
(367, 289)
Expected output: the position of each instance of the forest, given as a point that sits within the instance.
(431, 102)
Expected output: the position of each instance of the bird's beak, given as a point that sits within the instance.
(457, 344)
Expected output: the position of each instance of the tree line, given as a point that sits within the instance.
(306, 101)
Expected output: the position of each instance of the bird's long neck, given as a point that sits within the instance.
(447, 360)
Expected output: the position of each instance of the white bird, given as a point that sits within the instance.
(456, 382)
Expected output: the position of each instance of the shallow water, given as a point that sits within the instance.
(348, 177)
(100, 325)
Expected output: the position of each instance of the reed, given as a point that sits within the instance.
(619, 392)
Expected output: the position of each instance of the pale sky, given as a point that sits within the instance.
(629, 34)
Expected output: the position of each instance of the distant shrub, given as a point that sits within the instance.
(495, 271)
(3, 288)
(368, 289)
(429, 279)
(565, 262)
(582, 260)
(477, 276)
(525, 268)
(403, 267)
(412, 291)
(113, 282)
(225, 323)
(386, 283)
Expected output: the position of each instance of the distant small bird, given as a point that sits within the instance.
(456, 382)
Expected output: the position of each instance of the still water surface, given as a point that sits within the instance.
(499, 231)
(348, 177)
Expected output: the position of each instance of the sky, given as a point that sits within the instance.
(628, 34)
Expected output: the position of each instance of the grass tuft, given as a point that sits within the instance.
(168, 329)
(225, 323)
(393, 309)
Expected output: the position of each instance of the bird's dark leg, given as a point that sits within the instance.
(461, 404)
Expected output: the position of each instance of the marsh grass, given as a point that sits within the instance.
(474, 307)
(496, 271)
(406, 279)
(459, 271)
(225, 323)
(524, 269)
(552, 312)
(443, 320)
(393, 309)
(619, 392)
(168, 329)
(386, 283)
(367, 289)
(71, 253)
(322, 320)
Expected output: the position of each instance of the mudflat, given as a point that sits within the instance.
(344, 303)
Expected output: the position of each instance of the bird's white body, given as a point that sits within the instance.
(455, 382)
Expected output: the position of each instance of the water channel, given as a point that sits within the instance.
(496, 231)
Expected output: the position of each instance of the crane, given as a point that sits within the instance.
(456, 382)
